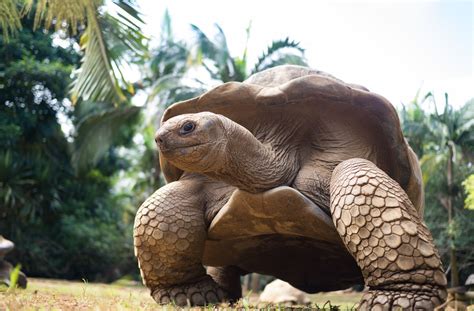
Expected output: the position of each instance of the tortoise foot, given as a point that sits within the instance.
(203, 292)
(387, 237)
(416, 299)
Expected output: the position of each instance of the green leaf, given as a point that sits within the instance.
(277, 47)
(57, 12)
(105, 41)
(469, 189)
(96, 133)
(287, 59)
(14, 277)
(430, 164)
(9, 18)
(95, 79)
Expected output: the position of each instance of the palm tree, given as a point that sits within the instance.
(110, 37)
(444, 141)
(107, 40)
(415, 125)
(215, 57)
(454, 130)
(168, 78)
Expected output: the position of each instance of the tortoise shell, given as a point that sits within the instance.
(287, 231)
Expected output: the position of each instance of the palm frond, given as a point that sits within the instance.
(171, 58)
(466, 116)
(71, 12)
(125, 43)
(173, 88)
(206, 51)
(95, 79)
(97, 133)
(129, 7)
(205, 45)
(276, 47)
(215, 56)
(465, 131)
(287, 59)
(247, 38)
(106, 42)
(9, 17)
(164, 84)
(430, 164)
(220, 42)
(166, 28)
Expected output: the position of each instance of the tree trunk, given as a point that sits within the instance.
(452, 248)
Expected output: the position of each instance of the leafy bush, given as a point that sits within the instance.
(64, 224)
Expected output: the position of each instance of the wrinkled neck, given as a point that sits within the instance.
(253, 166)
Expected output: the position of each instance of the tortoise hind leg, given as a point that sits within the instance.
(169, 237)
(229, 279)
(385, 234)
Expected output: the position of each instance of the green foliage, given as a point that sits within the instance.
(469, 187)
(106, 39)
(414, 122)
(444, 143)
(64, 224)
(214, 55)
(169, 67)
(274, 55)
(9, 17)
(14, 277)
(462, 226)
(96, 132)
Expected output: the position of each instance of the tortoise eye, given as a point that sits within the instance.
(187, 128)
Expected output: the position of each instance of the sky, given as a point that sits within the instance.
(392, 47)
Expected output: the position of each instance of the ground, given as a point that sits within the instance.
(43, 294)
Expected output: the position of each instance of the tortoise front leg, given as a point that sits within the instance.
(169, 237)
(385, 234)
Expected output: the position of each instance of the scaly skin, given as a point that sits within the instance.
(385, 235)
(229, 279)
(169, 237)
(374, 216)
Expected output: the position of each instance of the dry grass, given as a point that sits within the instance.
(43, 294)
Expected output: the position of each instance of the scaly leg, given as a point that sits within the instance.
(228, 278)
(385, 234)
(169, 237)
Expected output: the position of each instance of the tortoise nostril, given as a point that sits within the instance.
(159, 138)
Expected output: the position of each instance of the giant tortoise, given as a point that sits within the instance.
(292, 173)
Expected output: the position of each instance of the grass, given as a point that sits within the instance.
(43, 294)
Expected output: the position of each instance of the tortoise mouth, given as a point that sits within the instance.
(166, 149)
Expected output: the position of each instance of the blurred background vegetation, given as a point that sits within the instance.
(78, 157)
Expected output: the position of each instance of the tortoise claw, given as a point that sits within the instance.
(203, 292)
(401, 300)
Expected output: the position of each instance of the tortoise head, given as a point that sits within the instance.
(193, 142)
